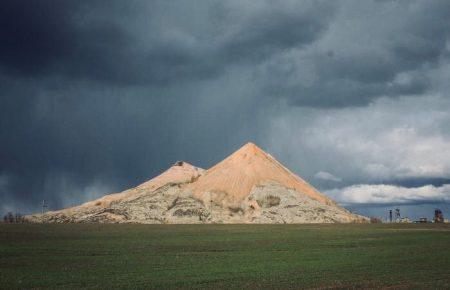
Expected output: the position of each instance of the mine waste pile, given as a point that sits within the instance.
(249, 186)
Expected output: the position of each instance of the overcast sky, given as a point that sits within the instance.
(99, 96)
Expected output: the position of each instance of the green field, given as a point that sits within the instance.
(224, 256)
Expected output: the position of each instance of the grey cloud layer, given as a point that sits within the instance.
(370, 50)
(97, 96)
(390, 140)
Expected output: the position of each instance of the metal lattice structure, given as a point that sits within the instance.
(438, 216)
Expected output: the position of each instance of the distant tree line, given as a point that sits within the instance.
(11, 218)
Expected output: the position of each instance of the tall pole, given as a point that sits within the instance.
(43, 209)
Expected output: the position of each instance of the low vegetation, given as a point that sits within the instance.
(224, 256)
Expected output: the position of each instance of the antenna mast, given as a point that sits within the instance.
(44, 206)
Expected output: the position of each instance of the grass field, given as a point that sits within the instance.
(224, 256)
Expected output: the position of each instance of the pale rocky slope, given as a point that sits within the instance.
(249, 186)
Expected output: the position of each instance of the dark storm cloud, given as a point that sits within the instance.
(63, 38)
(33, 36)
(97, 96)
(138, 42)
(274, 30)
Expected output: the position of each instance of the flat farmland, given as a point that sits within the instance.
(104, 256)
